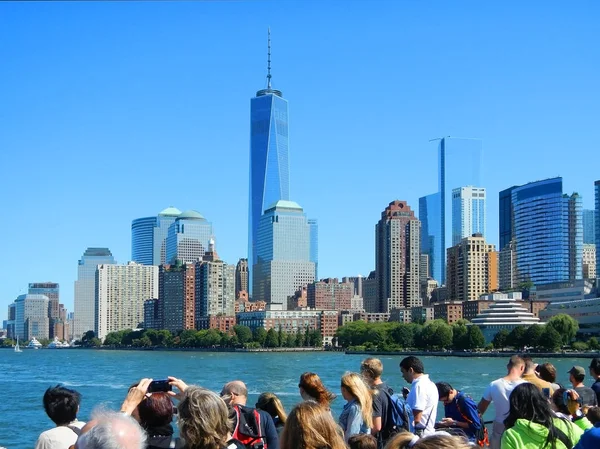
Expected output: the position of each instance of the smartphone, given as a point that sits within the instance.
(546, 392)
(159, 385)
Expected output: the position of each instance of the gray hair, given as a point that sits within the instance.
(114, 431)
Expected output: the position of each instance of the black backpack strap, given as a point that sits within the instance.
(563, 437)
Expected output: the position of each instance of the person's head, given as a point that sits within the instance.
(311, 426)
(547, 372)
(155, 410)
(441, 440)
(411, 368)
(527, 402)
(595, 367)
(61, 404)
(593, 415)
(354, 387)
(516, 366)
(371, 369)
(445, 392)
(236, 391)
(312, 388)
(203, 419)
(529, 365)
(113, 430)
(576, 375)
(271, 404)
(362, 441)
(560, 401)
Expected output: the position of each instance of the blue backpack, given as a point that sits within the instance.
(401, 415)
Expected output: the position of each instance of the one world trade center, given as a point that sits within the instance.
(269, 164)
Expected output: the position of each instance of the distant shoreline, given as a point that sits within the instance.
(230, 350)
(473, 354)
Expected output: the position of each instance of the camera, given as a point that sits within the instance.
(159, 386)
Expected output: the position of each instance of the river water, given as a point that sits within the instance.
(103, 377)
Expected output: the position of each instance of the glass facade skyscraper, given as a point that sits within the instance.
(188, 237)
(459, 165)
(283, 255)
(149, 235)
(589, 226)
(468, 213)
(314, 244)
(548, 232)
(269, 164)
(505, 217)
(597, 195)
(85, 289)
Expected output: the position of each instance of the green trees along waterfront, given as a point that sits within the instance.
(560, 331)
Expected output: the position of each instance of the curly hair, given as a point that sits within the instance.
(310, 426)
(203, 419)
(313, 386)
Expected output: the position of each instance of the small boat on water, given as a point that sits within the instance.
(57, 344)
(34, 344)
(17, 348)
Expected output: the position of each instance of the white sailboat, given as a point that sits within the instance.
(17, 348)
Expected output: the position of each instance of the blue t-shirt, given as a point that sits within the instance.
(464, 409)
(596, 388)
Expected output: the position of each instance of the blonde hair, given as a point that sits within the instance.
(371, 368)
(272, 405)
(436, 441)
(310, 426)
(356, 387)
(203, 419)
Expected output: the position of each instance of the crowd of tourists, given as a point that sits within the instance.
(531, 411)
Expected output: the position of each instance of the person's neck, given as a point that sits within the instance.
(513, 375)
(417, 376)
(377, 381)
(239, 402)
(528, 373)
(578, 384)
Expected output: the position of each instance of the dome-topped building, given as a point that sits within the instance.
(169, 212)
(191, 215)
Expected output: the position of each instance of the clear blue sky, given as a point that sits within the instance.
(113, 111)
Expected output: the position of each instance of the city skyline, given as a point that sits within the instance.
(113, 97)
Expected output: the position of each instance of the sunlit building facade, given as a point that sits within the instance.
(188, 237)
(149, 236)
(468, 212)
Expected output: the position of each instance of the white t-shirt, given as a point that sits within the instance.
(424, 397)
(498, 392)
(61, 437)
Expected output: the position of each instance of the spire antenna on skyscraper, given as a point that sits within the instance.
(269, 58)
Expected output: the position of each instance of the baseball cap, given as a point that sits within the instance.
(577, 370)
(590, 439)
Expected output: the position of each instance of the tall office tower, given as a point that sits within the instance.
(459, 164)
(31, 317)
(188, 237)
(149, 236)
(589, 226)
(589, 261)
(431, 233)
(358, 284)
(468, 212)
(10, 322)
(472, 269)
(548, 232)
(85, 289)
(120, 294)
(397, 257)
(597, 195)
(283, 255)
(370, 299)
(269, 164)
(329, 294)
(505, 217)
(177, 296)
(241, 277)
(314, 244)
(215, 287)
(507, 263)
(52, 291)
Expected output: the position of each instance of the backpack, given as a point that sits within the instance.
(481, 437)
(248, 428)
(400, 415)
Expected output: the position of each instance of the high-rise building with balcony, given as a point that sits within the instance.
(215, 287)
(149, 236)
(188, 237)
(176, 296)
(589, 261)
(120, 294)
(282, 254)
(472, 269)
(397, 257)
(468, 212)
(85, 289)
(548, 232)
(269, 163)
(329, 294)
(597, 198)
(589, 226)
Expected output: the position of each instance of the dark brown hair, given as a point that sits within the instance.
(155, 410)
(362, 441)
(547, 372)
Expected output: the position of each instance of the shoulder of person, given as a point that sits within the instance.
(235, 444)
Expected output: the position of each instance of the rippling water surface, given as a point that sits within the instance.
(102, 377)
